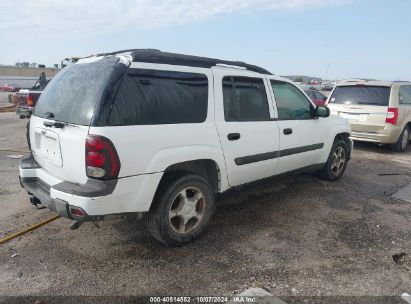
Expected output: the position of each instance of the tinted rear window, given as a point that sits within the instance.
(151, 97)
(74, 92)
(361, 95)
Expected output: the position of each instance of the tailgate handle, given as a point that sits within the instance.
(49, 124)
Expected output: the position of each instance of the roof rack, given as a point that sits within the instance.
(358, 79)
(156, 56)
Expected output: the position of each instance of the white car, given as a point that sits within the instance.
(162, 135)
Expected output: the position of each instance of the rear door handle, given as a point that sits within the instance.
(288, 131)
(233, 136)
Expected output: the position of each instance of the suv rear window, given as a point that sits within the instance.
(73, 93)
(361, 95)
(152, 97)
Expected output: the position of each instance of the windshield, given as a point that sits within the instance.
(361, 95)
(73, 93)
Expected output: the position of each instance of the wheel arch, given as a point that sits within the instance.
(337, 131)
(205, 168)
(345, 136)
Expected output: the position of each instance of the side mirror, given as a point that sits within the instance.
(322, 111)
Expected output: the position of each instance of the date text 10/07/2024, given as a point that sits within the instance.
(234, 299)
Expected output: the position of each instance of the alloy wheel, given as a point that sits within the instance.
(187, 210)
(405, 138)
(338, 161)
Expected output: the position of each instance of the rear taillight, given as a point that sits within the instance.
(30, 100)
(102, 160)
(392, 116)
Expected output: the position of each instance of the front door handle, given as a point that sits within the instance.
(233, 136)
(288, 131)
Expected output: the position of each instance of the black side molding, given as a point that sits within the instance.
(245, 160)
(288, 152)
(92, 188)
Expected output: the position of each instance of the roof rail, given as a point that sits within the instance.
(230, 66)
(156, 56)
(358, 79)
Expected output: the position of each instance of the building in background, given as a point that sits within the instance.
(25, 75)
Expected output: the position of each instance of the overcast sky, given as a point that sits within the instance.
(356, 38)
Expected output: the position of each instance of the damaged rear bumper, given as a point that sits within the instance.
(98, 200)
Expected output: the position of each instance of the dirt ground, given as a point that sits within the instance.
(5, 105)
(299, 236)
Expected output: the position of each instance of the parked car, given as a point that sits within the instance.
(328, 86)
(378, 111)
(317, 97)
(26, 99)
(10, 88)
(163, 135)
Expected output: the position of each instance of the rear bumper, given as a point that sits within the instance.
(41, 190)
(96, 198)
(24, 111)
(389, 135)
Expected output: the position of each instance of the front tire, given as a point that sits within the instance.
(337, 161)
(182, 211)
(402, 144)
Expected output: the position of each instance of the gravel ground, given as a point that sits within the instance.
(296, 236)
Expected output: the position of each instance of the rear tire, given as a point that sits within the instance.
(337, 161)
(182, 210)
(403, 142)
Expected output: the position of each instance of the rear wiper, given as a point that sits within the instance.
(55, 124)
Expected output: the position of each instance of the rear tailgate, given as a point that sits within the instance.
(369, 119)
(60, 124)
(364, 106)
(60, 151)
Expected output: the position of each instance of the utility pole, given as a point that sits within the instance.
(328, 68)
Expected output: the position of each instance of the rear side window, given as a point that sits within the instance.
(152, 97)
(405, 95)
(73, 93)
(361, 95)
(245, 99)
(291, 102)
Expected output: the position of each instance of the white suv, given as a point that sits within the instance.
(160, 134)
